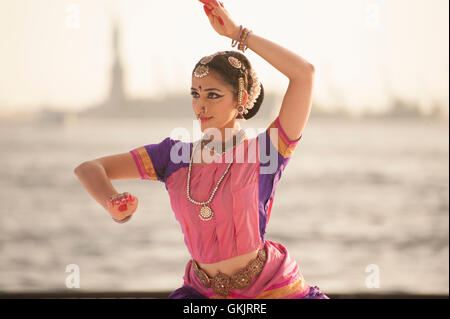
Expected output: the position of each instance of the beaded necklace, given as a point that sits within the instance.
(206, 213)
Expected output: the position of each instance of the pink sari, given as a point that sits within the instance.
(280, 279)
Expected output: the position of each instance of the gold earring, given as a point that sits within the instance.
(241, 90)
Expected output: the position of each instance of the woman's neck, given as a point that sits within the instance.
(226, 133)
(235, 136)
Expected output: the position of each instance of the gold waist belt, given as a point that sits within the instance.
(222, 284)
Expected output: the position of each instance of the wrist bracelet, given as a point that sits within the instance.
(243, 37)
(234, 42)
(245, 42)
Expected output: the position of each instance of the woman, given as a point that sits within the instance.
(222, 202)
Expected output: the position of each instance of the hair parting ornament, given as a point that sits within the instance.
(203, 70)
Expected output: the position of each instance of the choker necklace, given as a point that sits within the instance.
(223, 146)
(206, 213)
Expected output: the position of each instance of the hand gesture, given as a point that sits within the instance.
(220, 19)
(122, 206)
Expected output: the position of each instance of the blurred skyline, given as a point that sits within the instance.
(367, 53)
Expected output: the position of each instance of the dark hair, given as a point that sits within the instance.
(230, 75)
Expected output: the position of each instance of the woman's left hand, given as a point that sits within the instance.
(220, 19)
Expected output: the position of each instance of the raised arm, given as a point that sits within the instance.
(297, 101)
(296, 106)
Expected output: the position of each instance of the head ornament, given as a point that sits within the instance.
(203, 70)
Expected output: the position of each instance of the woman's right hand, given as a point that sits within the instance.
(220, 19)
(122, 206)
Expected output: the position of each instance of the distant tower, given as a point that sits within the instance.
(117, 97)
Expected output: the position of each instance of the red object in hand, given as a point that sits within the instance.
(207, 11)
(208, 2)
(122, 207)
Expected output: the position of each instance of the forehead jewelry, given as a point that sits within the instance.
(203, 70)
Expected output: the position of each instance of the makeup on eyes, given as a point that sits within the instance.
(218, 96)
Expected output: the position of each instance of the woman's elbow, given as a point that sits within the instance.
(80, 168)
(304, 72)
(309, 70)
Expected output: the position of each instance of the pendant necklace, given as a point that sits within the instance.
(206, 213)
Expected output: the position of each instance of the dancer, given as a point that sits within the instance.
(222, 187)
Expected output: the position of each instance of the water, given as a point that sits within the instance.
(356, 193)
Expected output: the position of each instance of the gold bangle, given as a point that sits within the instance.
(241, 41)
(245, 41)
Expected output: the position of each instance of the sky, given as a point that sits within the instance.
(56, 52)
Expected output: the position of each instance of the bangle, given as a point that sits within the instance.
(245, 42)
(243, 37)
(234, 42)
